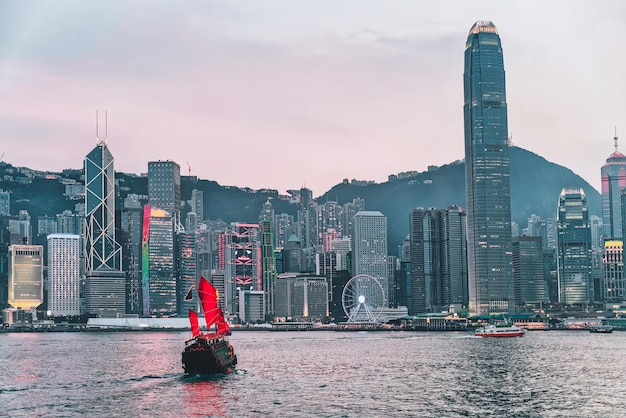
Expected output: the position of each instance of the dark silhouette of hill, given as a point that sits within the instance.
(535, 188)
(40, 197)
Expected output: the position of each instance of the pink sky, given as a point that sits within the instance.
(282, 94)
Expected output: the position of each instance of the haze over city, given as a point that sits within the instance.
(284, 94)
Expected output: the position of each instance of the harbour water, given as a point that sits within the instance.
(317, 374)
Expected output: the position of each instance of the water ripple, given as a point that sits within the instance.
(317, 374)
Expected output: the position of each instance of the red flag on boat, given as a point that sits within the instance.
(189, 294)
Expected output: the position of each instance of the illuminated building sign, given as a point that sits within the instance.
(25, 276)
(145, 268)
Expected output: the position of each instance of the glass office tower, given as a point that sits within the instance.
(164, 222)
(574, 248)
(490, 275)
(613, 183)
(437, 251)
(101, 249)
(369, 249)
(104, 284)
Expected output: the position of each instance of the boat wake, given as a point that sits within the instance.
(202, 378)
(153, 376)
(470, 336)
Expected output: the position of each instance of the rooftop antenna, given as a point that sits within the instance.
(189, 168)
(106, 128)
(615, 138)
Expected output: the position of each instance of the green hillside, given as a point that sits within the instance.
(535, 188)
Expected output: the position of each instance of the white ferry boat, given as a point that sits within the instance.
(500, 329)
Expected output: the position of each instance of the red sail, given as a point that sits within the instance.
(195, 327)
(222, 326)
(208, 297)
(212, 312)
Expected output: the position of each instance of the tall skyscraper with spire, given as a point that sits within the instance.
(105, 281)
(490, 275)
(613, 183)
(101, 249)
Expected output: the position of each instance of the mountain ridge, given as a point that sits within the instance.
(535, 187)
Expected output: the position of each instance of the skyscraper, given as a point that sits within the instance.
(164, 220)
(309, 237)
(310, 297)
(46, 225)
(329, 216)
(613, 182)
(101, 249)
(574, 248)
(164, 186)
(369, 239)
(131, 228)
(528, 270)
(25, 276)
(487, 173)
(197, 204)
(301, 296)
(5, 202)
(243, 265)
(284, 227)
(438, 259)
(292, 255)
(614, 286)
(21, 228)
(187, 269)
(162, 289)
(5, 239)
(347, 214)
(307, 218)
(70, 223)
(63, 274)
(268, 262)
(105, 281)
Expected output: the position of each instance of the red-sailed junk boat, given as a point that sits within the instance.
(208, 353)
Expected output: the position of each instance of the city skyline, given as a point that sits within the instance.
(274, 78)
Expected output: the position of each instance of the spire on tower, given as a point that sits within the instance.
(615, 139)
(106, 128)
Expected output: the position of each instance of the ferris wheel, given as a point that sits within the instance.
(363, 299)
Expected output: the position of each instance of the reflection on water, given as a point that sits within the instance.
(202, 396)
(312, 374)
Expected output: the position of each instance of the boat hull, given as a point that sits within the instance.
(208, 357)
(501, 335)
(601, 330)
(492, 331)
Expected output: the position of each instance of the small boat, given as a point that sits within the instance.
(601, 329)
(502, 328)
(210, 352)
